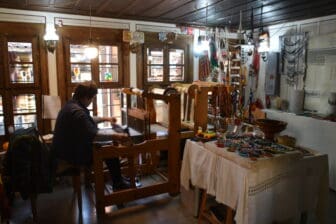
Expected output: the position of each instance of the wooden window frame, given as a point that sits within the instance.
(183, 42)
(100, 36)
(31, 33)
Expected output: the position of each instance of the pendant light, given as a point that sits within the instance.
(91, 51)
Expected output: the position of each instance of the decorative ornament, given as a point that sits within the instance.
(167, 37)
(135, 47)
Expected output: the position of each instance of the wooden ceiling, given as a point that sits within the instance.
(188, 12)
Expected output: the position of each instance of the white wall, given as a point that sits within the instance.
(311, 133)
(320, 76)
(321, 79)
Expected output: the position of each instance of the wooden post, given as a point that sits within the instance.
(201, 109)
(99, 182)
(174, 108)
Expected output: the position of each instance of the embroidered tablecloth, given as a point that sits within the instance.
(263, 191)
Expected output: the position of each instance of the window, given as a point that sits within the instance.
(176, 65)
(109, 70)
(109, 104)
(164, 65)
(80, 69)
(21, 82)
(108, 64)
(154, 65)
(20, 56)
(104, 70)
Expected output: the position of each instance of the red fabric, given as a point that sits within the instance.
(204, 68)
(256, 62)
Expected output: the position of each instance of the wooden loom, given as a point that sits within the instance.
(195, 98)
(169, 143)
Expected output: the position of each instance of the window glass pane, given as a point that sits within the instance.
(19, 52)
(109, 105)
(155, 73)
(20, 59)
(176, 56)
(25, 121)
(80, 72)
(25, 103)
(108, 73)
(21, 73)
(176, 73)
(77, 54)
(108, 54)
(154, 56)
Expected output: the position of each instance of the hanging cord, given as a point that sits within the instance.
(90, 25)
(261, 18)
(252, 28)
(206, 15)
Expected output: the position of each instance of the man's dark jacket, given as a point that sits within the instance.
(74, 133)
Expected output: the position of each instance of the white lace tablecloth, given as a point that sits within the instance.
(270, 189)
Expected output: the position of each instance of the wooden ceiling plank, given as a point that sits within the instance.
(121, 12)
(103, 6)
(77, 3)
(298, 12)
(188, 8)
(152, 6)
(233, 12)
(174, 8)
(218, 11)
(187, 11)
(274, 15)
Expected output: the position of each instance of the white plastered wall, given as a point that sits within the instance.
(309, 132)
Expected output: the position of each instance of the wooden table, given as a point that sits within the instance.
(268, 190)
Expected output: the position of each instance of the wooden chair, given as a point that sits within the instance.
(65, 169)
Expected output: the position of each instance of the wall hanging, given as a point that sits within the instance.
(293, 58)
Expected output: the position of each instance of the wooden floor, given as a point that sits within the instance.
(60, 207)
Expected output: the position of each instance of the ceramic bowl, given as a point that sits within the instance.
(271, 127)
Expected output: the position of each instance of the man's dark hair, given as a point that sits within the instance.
(86, 89)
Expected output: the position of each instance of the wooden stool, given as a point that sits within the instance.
(63, 169)
(224, 214)
(66, 169)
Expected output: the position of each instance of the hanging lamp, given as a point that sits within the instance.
(91, 50)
